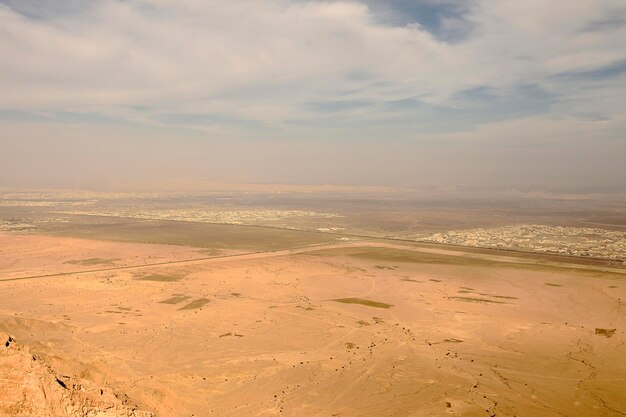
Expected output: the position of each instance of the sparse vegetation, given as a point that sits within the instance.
(160, 277)
(364, 302)
(476, 300)
(605, 332)
(195, 304)
(176, 299)
(91, 261)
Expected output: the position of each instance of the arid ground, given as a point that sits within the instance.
(344, 328)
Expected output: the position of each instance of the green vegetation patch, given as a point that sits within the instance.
(195, 304)
(92, 261)
(160, 277)
(605, 332)
(476, 300)
(507, 297)
(392, 255)
(176, 299)
(364, 302)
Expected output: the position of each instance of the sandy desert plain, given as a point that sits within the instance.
(149, 318)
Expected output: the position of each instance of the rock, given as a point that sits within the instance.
(6, 340)
(30, 388)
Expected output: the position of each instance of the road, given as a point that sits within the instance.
(319, 247)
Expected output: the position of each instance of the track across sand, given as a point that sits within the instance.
(320, 247)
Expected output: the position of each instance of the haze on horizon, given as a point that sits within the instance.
(398, 93)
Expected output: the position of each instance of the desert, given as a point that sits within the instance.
(365, 327)
(312, 208)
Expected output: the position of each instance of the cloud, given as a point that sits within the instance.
(267, 61)
(301, 70)
(444, 19)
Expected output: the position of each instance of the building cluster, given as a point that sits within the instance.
(251, 217)
(571, 241)
(15, 225)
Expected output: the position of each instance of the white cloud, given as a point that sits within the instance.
(264, 60)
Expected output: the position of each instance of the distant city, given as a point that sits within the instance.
(537, 238)
(570, 241)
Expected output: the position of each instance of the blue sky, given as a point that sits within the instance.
(422, 79)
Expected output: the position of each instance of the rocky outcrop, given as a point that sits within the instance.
(29, 388)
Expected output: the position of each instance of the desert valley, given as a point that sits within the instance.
(173, 318)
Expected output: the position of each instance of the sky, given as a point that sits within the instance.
(493, 93)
